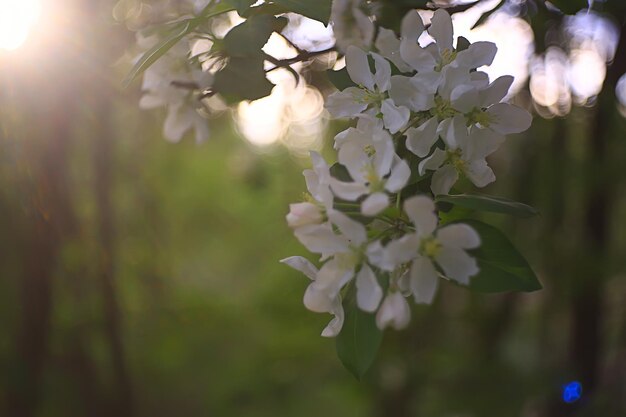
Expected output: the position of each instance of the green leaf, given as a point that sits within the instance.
(340, 79)
(340, 172)
(315, 9)
(502, 267)
(243, 78)
(173, 36)
(242, 5)
(489, 203)
(359, 340)
(247, 38)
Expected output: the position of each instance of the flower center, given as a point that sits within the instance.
(375, 183)
(478, 116)
(455, 158)
(430, 247)
(443, 108)
(369, 96)
(447, 56)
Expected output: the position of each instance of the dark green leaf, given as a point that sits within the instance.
(247, 38)
(242, 5)
(340, 79)
(462, 43)
(359, 340)
(173, 36)
(242, 79)
(489, 203)
(315, 9)
(340, 172)
(502, 267)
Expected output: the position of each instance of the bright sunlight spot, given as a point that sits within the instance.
(16, 19)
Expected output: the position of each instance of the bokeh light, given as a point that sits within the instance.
(17, 18)
(572, 392)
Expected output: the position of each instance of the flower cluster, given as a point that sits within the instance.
(423, 114)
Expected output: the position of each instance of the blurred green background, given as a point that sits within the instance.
(141, 278)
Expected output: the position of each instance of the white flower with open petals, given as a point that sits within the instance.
(444, 247)
(465, 154)
(436, 56)
(371, 91)
(374, 173)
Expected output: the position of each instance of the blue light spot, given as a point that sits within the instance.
(572, 392)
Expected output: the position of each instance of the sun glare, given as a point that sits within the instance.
(17, 17)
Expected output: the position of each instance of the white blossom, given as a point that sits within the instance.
(371, 91)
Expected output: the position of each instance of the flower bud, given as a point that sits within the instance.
(302, 214)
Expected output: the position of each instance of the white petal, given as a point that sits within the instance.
(421, 139)
(416, 56)
(320, 239)
(458, 236)
(453, 131)
(334, 274)
(399, 176)
(477, 55)
(351, 229)
(350, 191)
(424, 280)
(479, 79)
(374, 204)
(384, 155)
(401, 251)
(405, 92)
(479, 173)
(433, 162)
(443, 180)
(354, 158)
(420, 210)
(457, 264)
(441, 29)
(394, 117)
(176, 124)
(452, 78)
(346, 103)
(464, 98)
(412, 26)
(481, 142)
(301, 264)
(427, 82)
(317, 300)
(496, 91)
(394, 312)
(389, 46)
(368, 291)
(334, 326)
(382, 76)
(359, 68)
(506, 118)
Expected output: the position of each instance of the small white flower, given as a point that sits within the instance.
(465, 154)
(371, 91)
(445, 247)
(373, 175)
